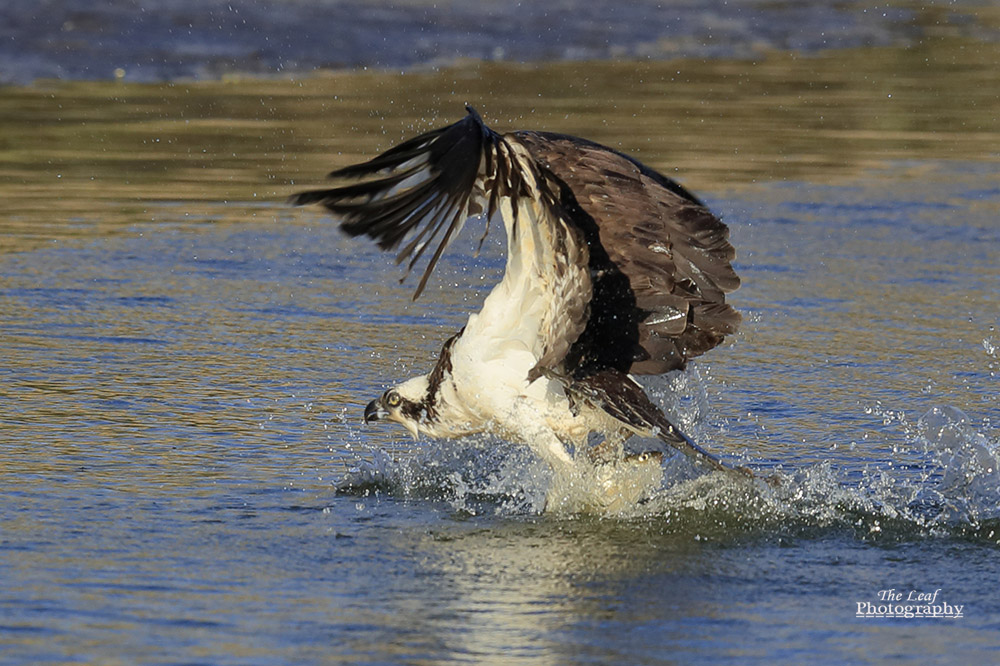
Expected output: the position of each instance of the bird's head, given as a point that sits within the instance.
(406, 404)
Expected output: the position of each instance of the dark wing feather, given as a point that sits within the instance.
(423, 189)
(621, 397)
(660, 260)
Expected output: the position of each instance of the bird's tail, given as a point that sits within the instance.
(624, 399)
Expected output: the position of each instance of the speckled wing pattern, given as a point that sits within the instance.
(658, 261)
(422, 191)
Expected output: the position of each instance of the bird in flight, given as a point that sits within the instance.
(612, 271)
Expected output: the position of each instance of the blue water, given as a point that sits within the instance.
(167, 40)
(184, 360)
(181, 402)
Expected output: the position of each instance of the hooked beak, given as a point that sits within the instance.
(375, 412)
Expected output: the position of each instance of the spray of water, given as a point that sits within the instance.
(946, 482)
(942, 480)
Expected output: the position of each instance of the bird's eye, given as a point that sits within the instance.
(393, 399)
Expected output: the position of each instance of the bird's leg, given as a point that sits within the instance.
(584, 484)
(526, 425)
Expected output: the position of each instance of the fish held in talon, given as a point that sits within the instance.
(612, 271)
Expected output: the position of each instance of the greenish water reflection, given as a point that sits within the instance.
(67, 147)
(185, 361)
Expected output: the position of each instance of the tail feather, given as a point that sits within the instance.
(621, 397)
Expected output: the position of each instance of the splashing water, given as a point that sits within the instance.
(947, 482)
(966, 476)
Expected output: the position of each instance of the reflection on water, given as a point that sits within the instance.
(67, 147)
(185, 361)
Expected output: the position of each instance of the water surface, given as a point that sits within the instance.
(166, 40)
(186, 360)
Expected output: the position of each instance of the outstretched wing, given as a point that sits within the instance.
(424, 189)
(661, 260)
(652, 294)
(613, 269)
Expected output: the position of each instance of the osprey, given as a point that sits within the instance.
(613, 270)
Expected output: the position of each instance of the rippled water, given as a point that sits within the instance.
(185, 361)
(145, 40)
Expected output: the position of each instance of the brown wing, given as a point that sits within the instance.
(659, 259)
(420, 192)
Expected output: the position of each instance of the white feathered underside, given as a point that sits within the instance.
(534, 313)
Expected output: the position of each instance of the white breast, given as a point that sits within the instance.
(503, 342)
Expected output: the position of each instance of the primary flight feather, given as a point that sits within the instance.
(613, 270)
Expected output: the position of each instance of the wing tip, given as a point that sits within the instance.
(303, 198)
(474, 114)
(451, 155)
